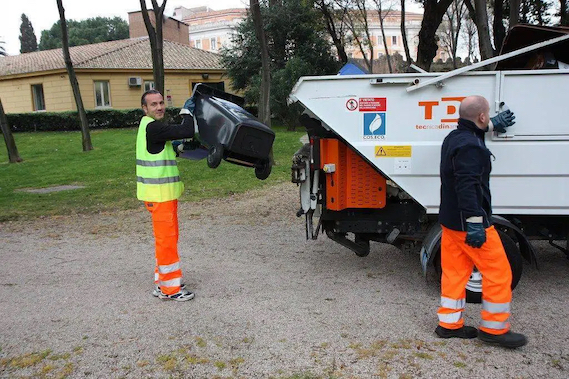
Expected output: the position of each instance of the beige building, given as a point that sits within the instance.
(393, 36)
(110, 74)
(210, 30)
(172, 29)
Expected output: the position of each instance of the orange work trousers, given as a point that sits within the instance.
(167, 273)
(457, 260)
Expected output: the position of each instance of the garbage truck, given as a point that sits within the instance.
(370, 169)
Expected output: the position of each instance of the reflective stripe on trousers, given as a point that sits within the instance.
(457, 261)
(165, 225)
(450, 312)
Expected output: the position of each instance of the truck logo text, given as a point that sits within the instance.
(446, 109)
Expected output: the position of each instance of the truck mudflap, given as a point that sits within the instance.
(432, 243)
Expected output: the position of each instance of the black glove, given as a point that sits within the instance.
(192, 144)
(178, 146)
(475, 234)
(502, 120)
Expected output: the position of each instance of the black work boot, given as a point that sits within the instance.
(509, 339)
(464, 332)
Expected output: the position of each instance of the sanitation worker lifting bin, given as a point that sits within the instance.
(228, 131)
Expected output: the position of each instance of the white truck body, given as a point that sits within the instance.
(530, 173)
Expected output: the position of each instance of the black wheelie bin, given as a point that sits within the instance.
(231, 133)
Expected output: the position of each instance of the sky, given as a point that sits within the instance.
(43, 13)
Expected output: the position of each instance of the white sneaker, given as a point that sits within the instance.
(179, 296)
(156, 291)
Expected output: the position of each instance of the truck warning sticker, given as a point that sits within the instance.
(373, 104)
(352, 104)
(374, 126)
(393, 151)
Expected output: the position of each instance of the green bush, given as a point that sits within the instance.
(69, 121)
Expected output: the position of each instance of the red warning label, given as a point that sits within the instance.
(373, 104)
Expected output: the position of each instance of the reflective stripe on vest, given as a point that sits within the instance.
(140, 162)
(172, 179)
(158, 178)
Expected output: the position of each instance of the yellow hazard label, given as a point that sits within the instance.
(393, 151)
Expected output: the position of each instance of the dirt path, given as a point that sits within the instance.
(75, 301)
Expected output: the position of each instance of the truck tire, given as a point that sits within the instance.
(263, 169)
(474, 285)
(215, 155)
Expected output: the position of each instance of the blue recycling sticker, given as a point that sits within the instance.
(374, 124)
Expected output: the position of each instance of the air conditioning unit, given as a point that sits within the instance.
(134, 81)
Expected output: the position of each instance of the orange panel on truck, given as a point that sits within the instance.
(355, 183)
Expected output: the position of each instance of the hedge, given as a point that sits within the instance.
(68, 121)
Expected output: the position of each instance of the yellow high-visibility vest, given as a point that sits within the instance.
(157, 175)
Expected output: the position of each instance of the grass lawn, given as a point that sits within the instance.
(108, 173)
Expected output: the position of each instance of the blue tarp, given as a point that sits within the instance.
(351, 69)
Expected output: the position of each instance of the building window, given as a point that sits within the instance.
(213, 43)
(394, 40)
(148, 85)
(102, 94)
(37, 97)
(198, 43)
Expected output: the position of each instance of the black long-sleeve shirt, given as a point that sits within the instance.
(157, 133)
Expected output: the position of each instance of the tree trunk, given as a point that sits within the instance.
(264, 101)
(356, 20)
(432, 18)
(156, 41)
(13, 155)
(523, 18)
(486, 50)
(404, 35)
(498, 25)
(363, 10)
(515, 12)
(459, 14)
(563, 13)
(86, 137)
(337, 38)
(381, 17)
(471, 11)
(453, 46)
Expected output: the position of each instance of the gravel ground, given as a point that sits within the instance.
(75, 301)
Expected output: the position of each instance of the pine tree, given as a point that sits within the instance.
(28, 40)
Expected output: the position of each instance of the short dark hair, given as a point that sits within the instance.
(149, 92)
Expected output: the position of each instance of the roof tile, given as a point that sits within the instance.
(134, 53)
